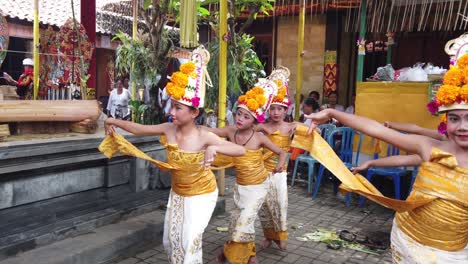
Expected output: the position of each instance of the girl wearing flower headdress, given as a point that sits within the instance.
(190, 151)
(274, 211)
(435, 231)
(252, 178)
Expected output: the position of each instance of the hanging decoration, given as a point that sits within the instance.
(4, 39)
(68, 42)
(330, 76)
(456, 48)
(188, 23)
(50, 70)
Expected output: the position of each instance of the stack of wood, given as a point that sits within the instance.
(8, 92)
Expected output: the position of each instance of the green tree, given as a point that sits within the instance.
(244, 66)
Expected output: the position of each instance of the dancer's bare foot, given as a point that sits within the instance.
(266, 243)
(281, 244)
(253, 260)
(221, 259)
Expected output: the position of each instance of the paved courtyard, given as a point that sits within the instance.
(305, 215)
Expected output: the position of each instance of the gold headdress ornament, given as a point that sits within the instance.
(188, 85)
(258, 99)
(281, 78)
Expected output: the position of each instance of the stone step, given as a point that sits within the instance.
(27, 227)
(101, 245)
(105, 243)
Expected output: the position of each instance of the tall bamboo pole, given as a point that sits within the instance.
(36, 49)
(222, 80)
(362, 35)
(134, 38)
(300, 50)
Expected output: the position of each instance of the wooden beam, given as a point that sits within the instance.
(40, 111)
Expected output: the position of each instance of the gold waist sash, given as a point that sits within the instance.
(249, 168)
(188, 178)
(271, 159)
(191, 178)
(435, 194)
(442, 223)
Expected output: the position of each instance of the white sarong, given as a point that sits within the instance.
(407, 251)
(185, 222)
(273, 213)
(247, 200)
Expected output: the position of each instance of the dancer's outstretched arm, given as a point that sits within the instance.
(217, 145)
(420, 145)
(392, 161)
(415, 129)
(134, 128)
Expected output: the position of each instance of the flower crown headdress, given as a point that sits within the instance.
(453, 94)
(281, 77)
(188, 85)
(258, 99)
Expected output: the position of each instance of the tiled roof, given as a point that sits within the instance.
(56, 12)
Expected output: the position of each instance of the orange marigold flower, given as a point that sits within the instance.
(454, 76)
(187, 67)
(242, 98)
(282, 91)
(180, 79)
(261, 99)
(279, 83)
(258, 90)
(252, 105)
(464, 93)
(250, 94)
(462, 62)
(279, 98)
(447, 94)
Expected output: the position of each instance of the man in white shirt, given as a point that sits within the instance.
(117, 107)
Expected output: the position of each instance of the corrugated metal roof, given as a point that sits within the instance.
(53, 12)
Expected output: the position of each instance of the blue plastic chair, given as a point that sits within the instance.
(326, 129)
(345, 153)
(414, 174)
(395, 172)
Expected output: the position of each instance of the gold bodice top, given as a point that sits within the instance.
(250, 169)
(282, 141)
(191, 177)
(442, 223)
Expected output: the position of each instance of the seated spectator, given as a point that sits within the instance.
(332, 102)
(315, 95)
(310, 106)
(350, 108)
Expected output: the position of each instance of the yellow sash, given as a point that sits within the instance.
(435, 213)
(321, 151)
(282, 141)
(115, 143)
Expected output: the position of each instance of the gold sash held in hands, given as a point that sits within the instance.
(321, 151)
(115, 143)
(436, 212)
